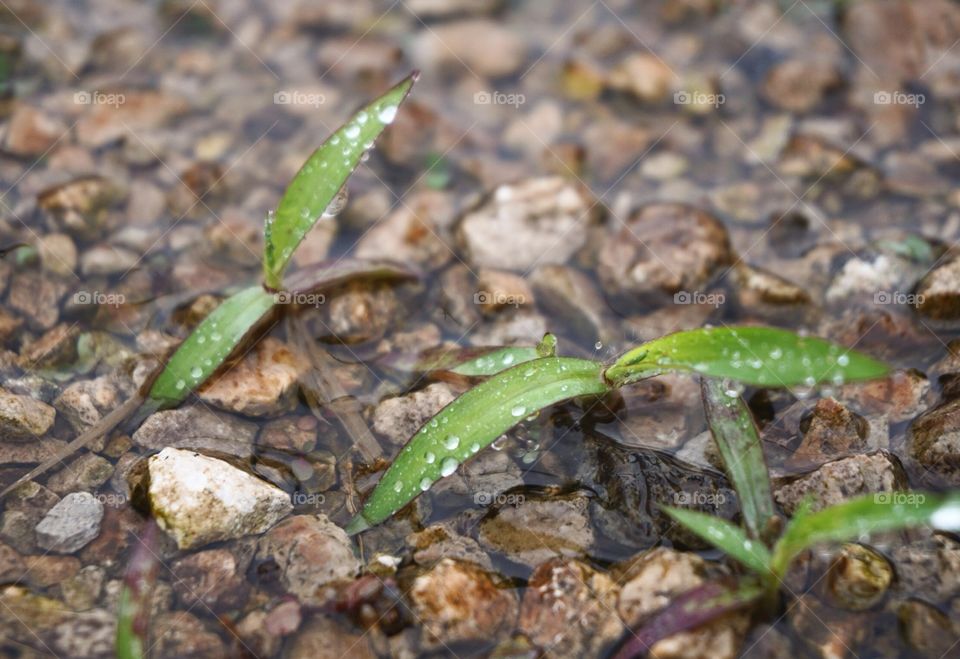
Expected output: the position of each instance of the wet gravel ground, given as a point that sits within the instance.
(609, 171)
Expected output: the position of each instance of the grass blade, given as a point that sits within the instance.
(726, 536)
(472, 422)
(762, 356)
(321, 177)
(873, 513)
(328, 274)
(496, 361)
(209, 345)
(133, 607)
(688, 611)
(737, 439)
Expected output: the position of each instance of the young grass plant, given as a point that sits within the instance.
(752, 355)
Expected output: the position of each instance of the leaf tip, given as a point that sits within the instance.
(357, 525)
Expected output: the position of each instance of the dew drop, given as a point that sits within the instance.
(429, 457)
(362, 118)
(448, 466)
(474, 447)
(598, 345)
(201, 339)
(519, 410)
(843, 360)
(451, 442)
(425, 484)
(398, 486)
(352, 131)
(387, 114)
(196, 372)
(507, 359)
(215, 337)
(181, 384)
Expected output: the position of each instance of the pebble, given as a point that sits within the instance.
(199, 500)
(84, 403)
(399, 418)
(196, 427)
(211, 580)
(30, 132)
(263, 383)
(841, 480)
(23, 418)
(481, 46)
(938, 293)
(71, 524)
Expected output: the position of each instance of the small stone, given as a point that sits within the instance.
(846, 630)
(22, 417)
(107, 260)
(47, 570)
(323, 638)
(484, 47)
(199, 500)
(86, 473)
(82, 590)
(571, 295)
(411, 233)
(86, 402)
(439, 541)
(358, 312)
(79, 206)
(663, 248)
(859, 578)
(58, 254)
(456, 601)
(535, 530)
(567, 608)
(308, 554)
(841, 480)
(644, 75)
(71, 524)
(757, 287)
(799, 84)
(30, 132)
(927, 630)
(938, 294)
(211, 579)
(497, 289)
(139, 112)
(399, 418)
(539, 220)
(54, 348)
(24, 508)
(37, 298)
(934, 440)
(181, 634)
(196, 427)
(296, 434)
(831, 431)
(263, 383)
(930, 566)
(11, 564)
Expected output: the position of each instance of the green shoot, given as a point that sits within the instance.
(726, 536)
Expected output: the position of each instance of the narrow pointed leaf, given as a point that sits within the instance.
(323, 174)
(762, 356)
(133, 607)
(737, 439)
(210, 344)
(472, 422)
(688, 611)
(496, 361)
(726, 536)
(873, 513)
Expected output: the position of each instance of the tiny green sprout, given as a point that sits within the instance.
(752, 355)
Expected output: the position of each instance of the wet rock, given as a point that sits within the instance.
(612, 146)
(859, 578)
(757, 287)
(210, 578)
(458, 601)
(54, 348)
(814, 157)
(199, 500)
(663, 248)
(927, 630)
(651, 580)
(139, 112)
(830, 431)
(36, 298)
(438, 541)
(497, 289)
(308, 554)
(107, 260)
(181, 634)
(82, 590)
(8, 325)
(446, 8)
(11, 564)
(900, 396)
(399, 418)
(938, 294)
(46, 570)
(263, 631)
(357, 313)
(196, 427)
(799, 84)
(569, 294)
(411, 233)
(532, 531)
(298, 434)
(934, 441)
(322, 638)
(930, 566)
(483, 478)
(71, 524)
(262, 383)
(536, 221)
(864, 282)
(31, 132)
(566, 609)
(845, 630)
(22, 417)
(844, 479)
(58, 254)
(86, 473)
(482, 46)
(522, 327)
(80, 206)
(644, 75)
(24, 508)
(84, 403)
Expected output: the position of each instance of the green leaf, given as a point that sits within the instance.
(726, 536)
(472, 422)
(762, 356)
(873, 513)
(134, 604)
(209, 345)
(496, 361)
(737, 439)
(319, 180)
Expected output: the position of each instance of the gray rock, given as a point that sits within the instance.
(399, 418)
(86, 473)
(569, 294)
(196, 427)
(23, 510)
(934, 441)
(838, 481)
(71, 524)
(938, 294)
(22, 417)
